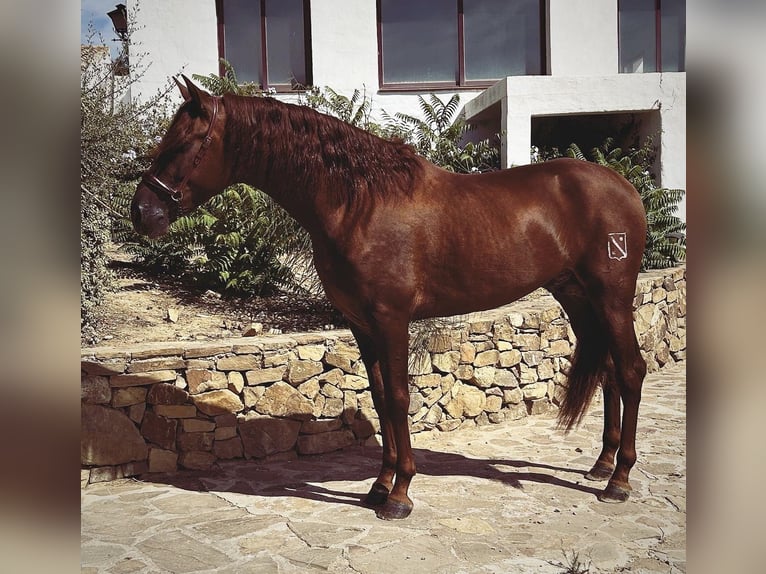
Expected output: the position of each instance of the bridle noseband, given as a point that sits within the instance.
(175, 195)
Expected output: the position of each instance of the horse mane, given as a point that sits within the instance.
(284, 144)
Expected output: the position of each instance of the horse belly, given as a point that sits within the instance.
(470, 284)
(495, 246)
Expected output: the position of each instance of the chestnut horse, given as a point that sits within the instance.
(397, 239)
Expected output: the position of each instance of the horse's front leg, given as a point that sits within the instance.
(384, 483)
(391, 341)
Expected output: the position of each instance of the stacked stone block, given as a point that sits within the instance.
(159, 407)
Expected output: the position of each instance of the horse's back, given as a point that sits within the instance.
(562, 194)
(541, 182)
(589, 219)
(565, 193)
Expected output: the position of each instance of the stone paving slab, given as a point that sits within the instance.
(493, 499)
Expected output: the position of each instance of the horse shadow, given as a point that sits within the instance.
(316, 477)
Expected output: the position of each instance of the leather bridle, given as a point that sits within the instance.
(175, 195)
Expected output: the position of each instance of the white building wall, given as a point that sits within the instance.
(583, 37)
(172, 37)
(344, 45)
(673, 136)
(181, 36)
(524, 97)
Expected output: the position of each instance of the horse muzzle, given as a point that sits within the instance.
(149, 215)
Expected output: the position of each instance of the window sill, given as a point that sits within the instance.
(286, 89)
(399, 88)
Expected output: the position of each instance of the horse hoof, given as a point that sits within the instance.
(394, 510)
(614, 493)
(377, 496)
(600, 471)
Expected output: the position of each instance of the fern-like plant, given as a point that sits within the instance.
(227, 245)
(228, 83)
(665, 236)
(438, 136)
(438, 123)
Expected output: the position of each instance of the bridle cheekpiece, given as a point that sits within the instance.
(175, 195)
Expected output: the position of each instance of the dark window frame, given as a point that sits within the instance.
(657, 40)
(461, 83)
(264, 65)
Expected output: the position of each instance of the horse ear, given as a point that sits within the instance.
(184, 90)
(196, 95)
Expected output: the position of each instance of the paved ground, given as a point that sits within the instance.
(507, 498)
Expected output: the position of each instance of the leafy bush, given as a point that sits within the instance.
(95, 278)
(228, 83)
(665, 236)
(228, 244)
(356, 110)
(115, 137)
(439, 135)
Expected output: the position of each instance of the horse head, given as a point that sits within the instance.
(188, 167)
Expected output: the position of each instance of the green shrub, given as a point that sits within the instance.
(115, 137)
(95, 278)
(356, 110)
(228, 83)
(439, 135)
(232, 244)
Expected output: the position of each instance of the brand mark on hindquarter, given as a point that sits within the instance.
(617, 246)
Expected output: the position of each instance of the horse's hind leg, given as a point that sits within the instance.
(630, 369)
(384, 483)
(607, 353)
(604, 465)
(591, 365)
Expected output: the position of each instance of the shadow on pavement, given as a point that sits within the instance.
(314, 477)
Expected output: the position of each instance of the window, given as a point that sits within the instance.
(449, 43)
(267, 41)
(652, 35)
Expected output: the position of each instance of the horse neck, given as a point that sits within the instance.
(320, 169)
(276, 148)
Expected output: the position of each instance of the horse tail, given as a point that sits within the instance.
(591, 363)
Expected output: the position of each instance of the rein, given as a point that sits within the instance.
(175, 195)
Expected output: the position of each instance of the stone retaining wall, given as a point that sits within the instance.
(164, 406)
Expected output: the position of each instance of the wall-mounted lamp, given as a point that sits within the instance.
(119, 17)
